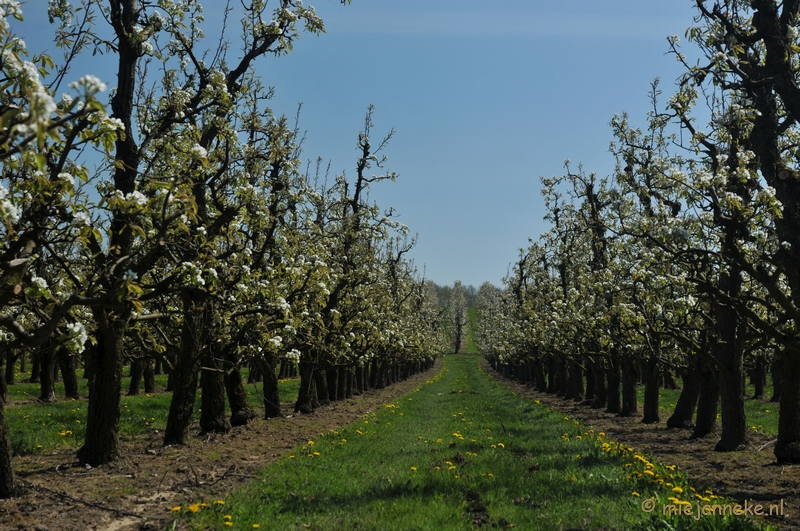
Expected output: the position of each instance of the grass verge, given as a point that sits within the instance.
(460, 451)
(36, 427)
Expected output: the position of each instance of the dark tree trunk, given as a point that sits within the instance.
(321, 384)
(185, 372)
(149, 377)
(47, 363)
(212, 384)
(341, 385)
(254, 375)
(652, 378)
(630, 377)
(590, 382)
(759, 378)
(67, 362)
(4, 356)
(137, 371)
(729, 353)
(538, 375)
(272, 394)
(22, 358)
(348, 392)
(776, 379)
(787, 447)
(11, 369)
(574, 382)
(304, 402)
(373, 375)
(669, 380)
(613, 402)
(332, 381)
(158, 368)
(687, 401)
(36, 365)
(101, 444)
(708, 401)
(358, 384)
(241, 411)
(600, 395)
(7, 484)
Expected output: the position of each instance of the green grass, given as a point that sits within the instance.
(761, 415)
(36, 427)
(472, 314)
(459, 448)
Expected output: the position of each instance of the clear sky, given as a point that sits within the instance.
(485, 97)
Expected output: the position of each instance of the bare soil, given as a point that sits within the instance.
(139, 491)
(751, 474)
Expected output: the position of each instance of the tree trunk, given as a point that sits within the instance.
(341, 385)
(137, 371)
(787, 447)
(149, 377)
(630, 377)
(4, 356)
(304, 402)
(687, 401)
(348, 392)
(241, 411)
(600, 394)
(187, 365)
(729, 352)
(708, 401)
(212, 385)
(11, 369)
(613, 402)
(7, 484)
(321, 385)
(36, 365)
(101, 444)
(776, 378)
(272, 395)
(47, 363)
(759, 377)
(332, 381)
(67, 362)
(652, 378)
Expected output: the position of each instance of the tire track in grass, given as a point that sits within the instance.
(459, 452)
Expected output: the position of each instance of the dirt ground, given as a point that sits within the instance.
(139, 491)
(751, 474)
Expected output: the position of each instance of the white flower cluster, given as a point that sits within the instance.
(39, 283)
(77, 337)
(91, 83)
(293, 355)
(8, 211)
(9, 8)
(194, 272)
(199, 151)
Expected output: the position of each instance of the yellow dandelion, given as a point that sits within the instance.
(176, 509)
(634, 493)
(413, 469)
(677, 490)
(194, 507)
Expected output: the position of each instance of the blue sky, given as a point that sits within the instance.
(484, 97)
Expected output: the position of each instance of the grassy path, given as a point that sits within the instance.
(460, 451)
